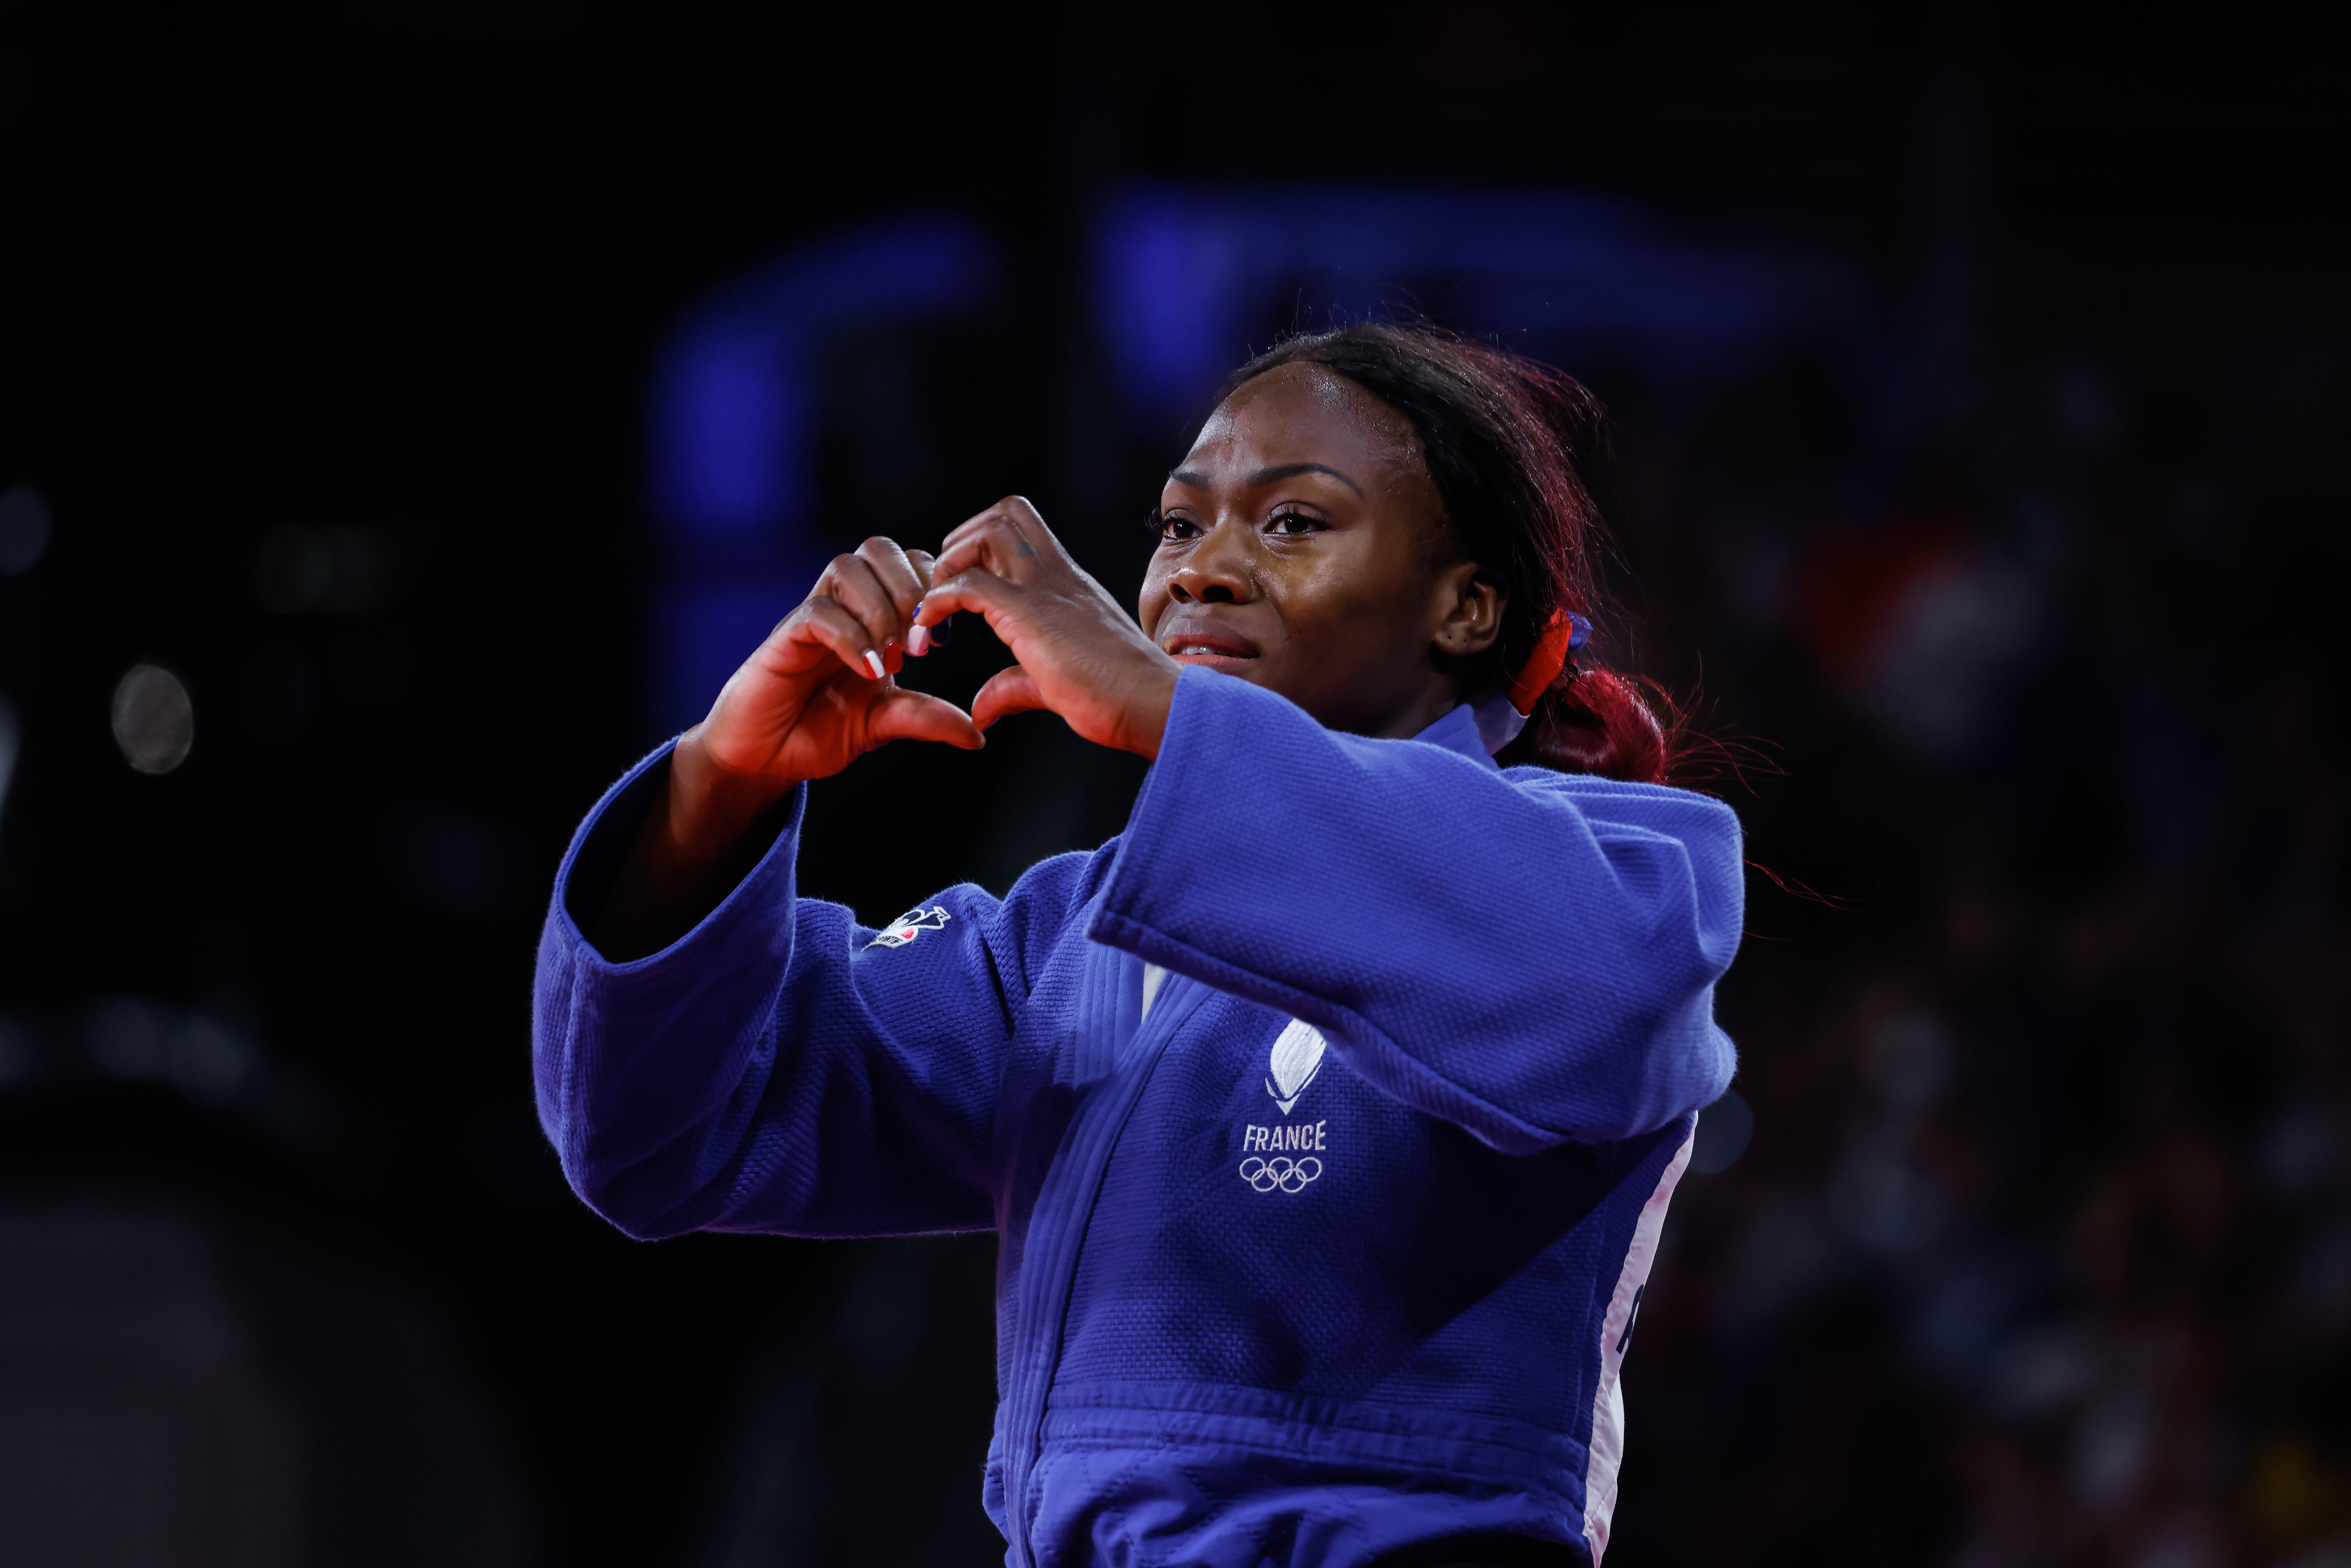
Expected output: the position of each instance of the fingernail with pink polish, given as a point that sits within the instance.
(918, 641)
(874, 663)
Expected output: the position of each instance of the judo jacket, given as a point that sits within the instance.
(1326, 1119)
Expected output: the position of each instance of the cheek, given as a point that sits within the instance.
(1152, 602)
(1324, 612)
(1340, 596)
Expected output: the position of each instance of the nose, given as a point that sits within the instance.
(1220, 570)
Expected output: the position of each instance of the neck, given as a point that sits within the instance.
(1419, 711)
(1397, 713)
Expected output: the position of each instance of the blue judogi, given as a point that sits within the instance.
(1326, 1119)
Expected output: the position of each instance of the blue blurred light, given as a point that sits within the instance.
(734, 420)
(733, 440)
(1188, 281)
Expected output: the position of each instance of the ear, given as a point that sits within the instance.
(1469, 604)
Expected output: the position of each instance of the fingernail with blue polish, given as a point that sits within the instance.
(944, 633)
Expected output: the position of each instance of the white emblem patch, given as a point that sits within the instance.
(1297, 1057)
(909, 925)
(1280, 1175)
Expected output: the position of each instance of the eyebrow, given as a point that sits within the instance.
(1274, 475)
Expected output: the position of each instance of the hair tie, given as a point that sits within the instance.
(1564, 634)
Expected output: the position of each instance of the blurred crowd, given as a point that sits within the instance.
(2040, 1251)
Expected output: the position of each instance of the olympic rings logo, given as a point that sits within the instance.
(1288, 1176)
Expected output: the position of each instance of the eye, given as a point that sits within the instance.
(1291, 523)
(1175, 528)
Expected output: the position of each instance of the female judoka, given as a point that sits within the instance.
(1327, 1116)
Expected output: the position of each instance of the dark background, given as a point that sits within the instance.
(326, 341)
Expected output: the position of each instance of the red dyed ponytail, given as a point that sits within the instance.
(1499, 431)
(1594, 722)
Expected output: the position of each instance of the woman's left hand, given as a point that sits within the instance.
(1080, 653)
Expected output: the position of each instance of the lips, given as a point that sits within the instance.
(1217, 649)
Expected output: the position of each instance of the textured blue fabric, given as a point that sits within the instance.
(1206, 1355)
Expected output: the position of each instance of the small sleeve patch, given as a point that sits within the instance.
(911, 925)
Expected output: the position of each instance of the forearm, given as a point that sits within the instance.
(700, 836)
(773, 1068)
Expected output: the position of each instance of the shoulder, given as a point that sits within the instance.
(1654, 808)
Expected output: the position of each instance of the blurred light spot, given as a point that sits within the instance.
(1942, 666)
(1724, 1130)
(292, 570)
(132, 1038)
(126, 1037)
(155, 718)
(2321, 1293)
(17, 1055)
(2183, 1537)
(2041, 1372)
(24, 529)
(1966, 1313)
(2114, 1444)
(2292, 1490)
(1881, 1202)
(1852, 584)
(339, 571)
(1908, 1060)
(207, 1059)
(1921, 628)
(2299, 1149)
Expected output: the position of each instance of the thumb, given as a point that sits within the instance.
(901, 714)
(1007, 691)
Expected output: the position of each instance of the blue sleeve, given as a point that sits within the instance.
(1528, 955)
(777, 1068)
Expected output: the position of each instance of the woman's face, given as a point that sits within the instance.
(1302, 547)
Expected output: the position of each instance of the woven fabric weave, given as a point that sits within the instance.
(1306, 1312)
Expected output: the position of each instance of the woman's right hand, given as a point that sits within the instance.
(817, 694)
(811, 700)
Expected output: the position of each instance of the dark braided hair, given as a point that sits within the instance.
(1498, 430)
